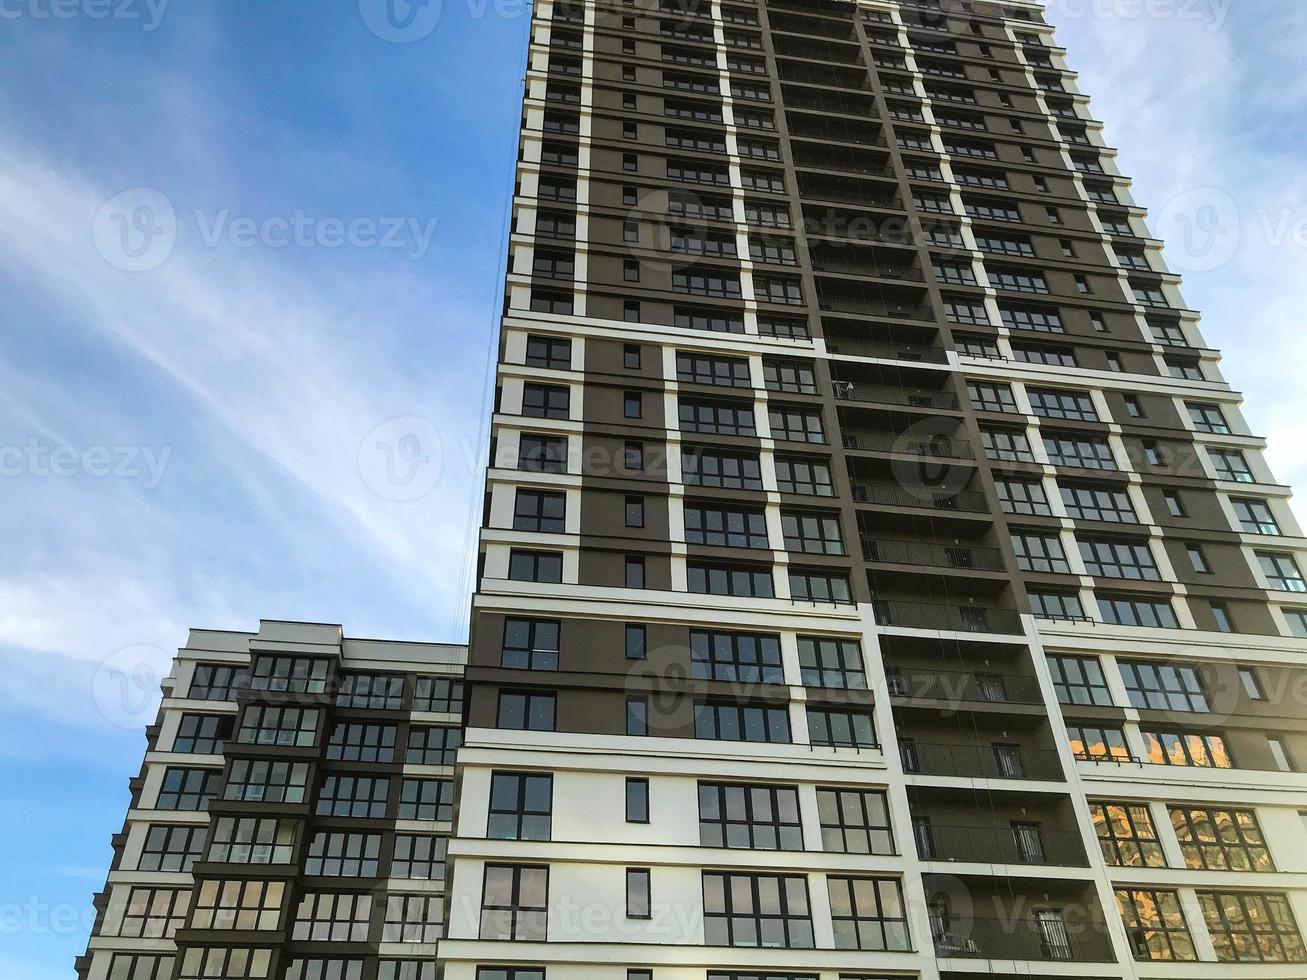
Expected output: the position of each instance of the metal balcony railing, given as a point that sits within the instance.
(905, 443)
(874, 307)
(855, 391)
(932, 555)
(987, 761)
(1023, 939)
(930, 498)
(854, 267)
(1029, 845)
(962, 685)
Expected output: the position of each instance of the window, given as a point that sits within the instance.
(278, 726)
(138, 966)
(631, 357)
(202, 734)
(260, 781)
(637, 716)
(187, 789)
(1007, 444)
(317, 968)
(1220, 840)
(1129, 611)
(1097, 502)
(1045, 354)
(353, 796)
(759, 817)
(1039, 552)
(1079, 680)
(538, 510)
(413, 919)
(298, 675)
(1197, 749)
(804, 476)
(700, 369)
(1280, 754)
(1248, 927)
(1164, 686)
(426, 970)
(814, 534)
(358, 742)
(868, 914)
(1056, 605)
(1084, 452)
(841, 728)
(151, 913)
(242, 905)
(216, 962)
(545, 401)
(638, 899)
(521, 805)
(748, 658)
(1231, 465)
(741, 722)
(854, 821)
(549, 352)
(1255, 516)
(1116, 558)
(733, 527)
(632, 405)
(633, 456)
(251, 840)
(1154, 923)
(542, 454)
(433, 746)
(831, 663)
(1035, 319)
(1281, 571)
(717, 418)
(426, 799)
(633, 571)
(514, 903)
(1197, 559)
(636, 641)
(703, 579)
(535, 566)
(526, 711)
(1023, 497)
(531, 644)
(1126, 835)
(215, 682)
(438, 694)
(1174, 505)
(756, 910)
(337, 854)
(795, 424)
(1075, 405)
(815, 586)
(718, 468)
(1094, 744)
(637, 800)
(989, 397)
(789, 376)
(372, 691)
(1208, 418)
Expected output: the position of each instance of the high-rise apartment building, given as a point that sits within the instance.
(877, 577)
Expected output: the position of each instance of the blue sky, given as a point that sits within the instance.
(273, 423)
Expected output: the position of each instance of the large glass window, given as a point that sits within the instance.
(831, 663)
(297, 675)
(731, 527)
(187, 789)
(731, 722)
(376, 692)
(341, 917)
(1163, 686)
(841, 728)
(756, 910)
(760, 817)
(1135, 611)
(1115, 558)
(241, 905)
(261, 781)
(1085, 502)
(433, 746)
(261, 725)
(343, 854)
(419, 857)
(171, 848)
(1220, 839)
(854, 821)
(1247, 927)
(1154, 923)
(359, 742)
(1200, 749)
(202, 734)
(1098, 744)
(251, 840)
(1282, 572)
(1078, 680)
(531, 644)
(747, 658)
(1126, 835)
(514, 903)
(151, 913)
(413, 919)
(426, 799)
(520, 806)
(526, 711)
(868, 914)
(439, 694)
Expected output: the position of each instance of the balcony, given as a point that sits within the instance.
(926, 498)
(962, 685)
(906, 443)
(860, 306)
(853, 391)
(862, 347)
(961, 557)
(985, 761)
(1008, 939)
(959, 618)
(1027, 845)
(853, 267)
(833, 102)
